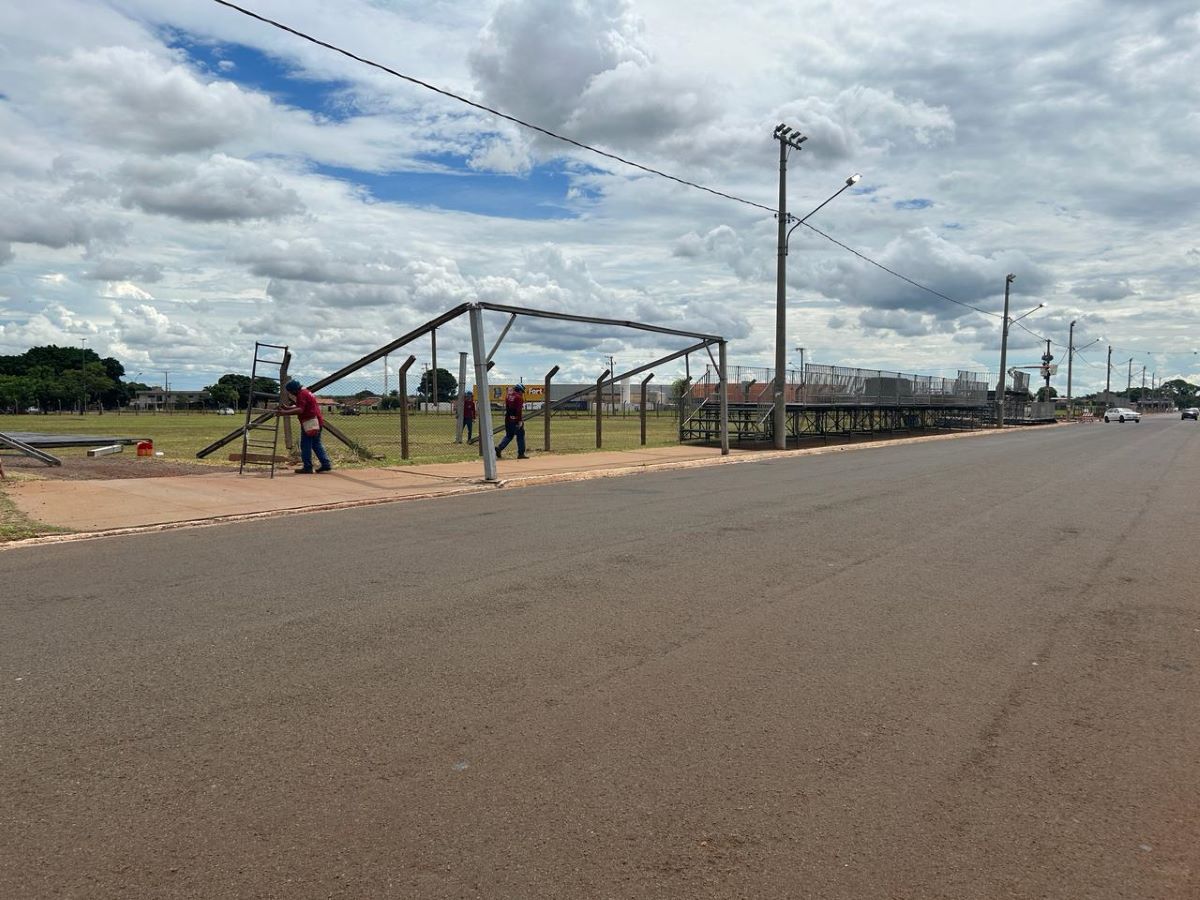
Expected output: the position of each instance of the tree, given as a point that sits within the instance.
(1181, 393)
(1041, 394)
(241, 385)
(223, 395)
(447, 385)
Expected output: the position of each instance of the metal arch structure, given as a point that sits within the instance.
(483, 357)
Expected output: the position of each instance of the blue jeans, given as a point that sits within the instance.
(468, 424)
(511, 430)
(309, 443)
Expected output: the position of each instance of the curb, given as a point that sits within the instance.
(480, 486)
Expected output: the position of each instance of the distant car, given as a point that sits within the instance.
(34, 409)
(1121, 414)
(1190, 413)
(226, 411)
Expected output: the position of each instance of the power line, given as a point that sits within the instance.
(487, 109)
(1025, 327)
(880, 265)
(495, 112)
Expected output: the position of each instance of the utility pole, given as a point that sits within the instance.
(1070, 360)
(802, 378)
(167, 391)
(1129, 380)
(1046, 359)
(1108, 379)
(1001, 384)
(789, 139)
(82, 376)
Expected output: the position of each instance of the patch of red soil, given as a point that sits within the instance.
(80, 468)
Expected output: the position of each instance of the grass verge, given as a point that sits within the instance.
(15, 525)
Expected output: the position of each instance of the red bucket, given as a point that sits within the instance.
(145, 448)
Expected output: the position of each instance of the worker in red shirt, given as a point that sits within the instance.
(311, 424)
(469, 413)
(514, 421)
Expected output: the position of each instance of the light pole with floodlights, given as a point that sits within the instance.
(789, 139)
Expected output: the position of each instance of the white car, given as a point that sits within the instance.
(1121, 414)
(226, 411)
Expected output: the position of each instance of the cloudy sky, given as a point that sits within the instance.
(178, 180)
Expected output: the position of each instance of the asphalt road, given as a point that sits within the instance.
(959, 669)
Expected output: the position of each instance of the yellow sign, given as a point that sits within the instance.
(534, 393)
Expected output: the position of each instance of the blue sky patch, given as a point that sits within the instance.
(542, 194)
(915, 203)
(255, 70)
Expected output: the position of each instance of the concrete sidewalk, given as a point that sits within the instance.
(123, 504)
(131, 503)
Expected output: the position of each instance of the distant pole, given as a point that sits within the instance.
(1046, 360)
(1129, 380)
(1070, 360)
(1002, 383)
(642, 408)
(82, 375)
(1108, 379)
(546, 411)
(600, 408)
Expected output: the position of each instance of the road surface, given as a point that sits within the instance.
(954, 669)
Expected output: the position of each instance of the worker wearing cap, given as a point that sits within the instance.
(514, 421)
(311, 425)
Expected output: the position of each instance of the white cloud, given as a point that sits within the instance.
(131, 98)
(219, 189)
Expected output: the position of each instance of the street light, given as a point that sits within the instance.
(788, 140)
(82, 376)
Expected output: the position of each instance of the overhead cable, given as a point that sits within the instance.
(487, 109)
(915, 284)
(567, 140)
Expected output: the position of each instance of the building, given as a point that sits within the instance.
(157, 398)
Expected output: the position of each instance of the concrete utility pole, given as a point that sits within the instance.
(789, 139)
(1108, 378)
(1129, 380)
(1002, 383)
(1070, 360)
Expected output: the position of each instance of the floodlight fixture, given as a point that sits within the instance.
(853, 179)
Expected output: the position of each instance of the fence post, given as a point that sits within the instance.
(642, 406)
(546, 410)
(724, 383)
(402, 374)
(600, 407)
(462, 390)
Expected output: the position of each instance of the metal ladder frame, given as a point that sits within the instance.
(257, 422)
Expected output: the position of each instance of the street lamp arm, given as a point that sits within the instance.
(852, 180)
(1023, 315)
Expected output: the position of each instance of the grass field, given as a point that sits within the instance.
(179, 436)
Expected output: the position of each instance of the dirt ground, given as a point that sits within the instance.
(77, 466)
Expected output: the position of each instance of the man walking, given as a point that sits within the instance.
(514, 421)
(311, 424)
(468, 403)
